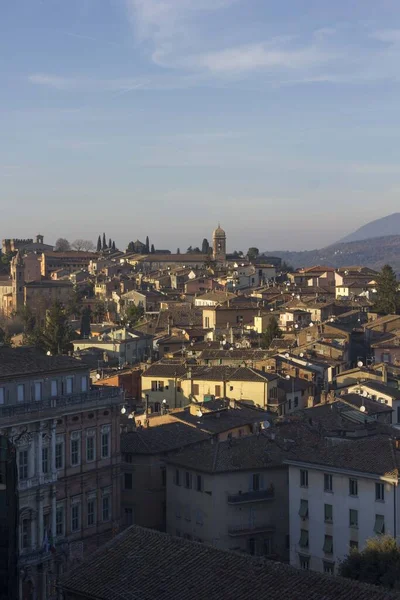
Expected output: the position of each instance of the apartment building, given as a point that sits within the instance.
(66, 437)
(341, 492)
(178, 384)
(233, 494)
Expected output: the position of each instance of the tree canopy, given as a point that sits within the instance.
(62, 245)
(57, 334)
(205, 246)
(252, 253)
(271, 332)
(133, 314)
(378, 563)
(99, 244)
(387, 295)
(82, 245)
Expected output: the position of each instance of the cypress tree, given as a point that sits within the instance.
(99, 244)
(113, 245)
(387, 297)
(147, 246)
(152, 249)
(104, 242)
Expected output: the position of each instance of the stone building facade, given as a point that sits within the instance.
(67, 443)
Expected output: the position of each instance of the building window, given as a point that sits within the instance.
(59, 455)
(37, 390)
(105, 442)
(217, 391)
(2, 395)
(303, 542)
(328, 513)
(54, 388)
(255, 482)
(188, 480)
(75, 517)
(353, 545)
(128, 516)
(177, 477)
(303, 478)
(199, 483)
(23, 464)
(45, 460)
(128, 481)
(154, 386)
(84, 383)
(353, 518)
(290, 404)
(128, 457)
(195, 389)
(252, 546)
(90, 445)
(328, 483)
(75, 448)
(328, 544)
(379, 526)
(353, 487)
(25, 534)
(60, 520)
(70, 384)
(199, 517)
(160, 386)
(106, 502)
(303, 511)
(329, 567)
(91, 512)
(380, 492)
(20, 392)
(304, 562)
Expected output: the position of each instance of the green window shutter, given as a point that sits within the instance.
(379, 524)
(303, 538)
(328, 544)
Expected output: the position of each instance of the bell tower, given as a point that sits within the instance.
(18, 280)
(219, 244)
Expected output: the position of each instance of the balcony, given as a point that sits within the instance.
(26, 412)
(32, 557)
(32, 482)
(245, 530)
(254, 496)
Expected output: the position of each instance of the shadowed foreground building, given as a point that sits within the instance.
(144, 564)
(8, 521)
(66, 438)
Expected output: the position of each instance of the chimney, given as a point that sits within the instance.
(384, 374)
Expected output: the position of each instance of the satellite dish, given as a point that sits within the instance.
(98, 375)
(199, 413)
(296, 326)
(301, 354)
(48, 353)
(287, 355)
(360, 363)
(365, 393)
(362, 408)
(123, 410)
(311, 324)
(266, 424)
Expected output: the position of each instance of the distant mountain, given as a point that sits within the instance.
(373, 253)
(389, 225)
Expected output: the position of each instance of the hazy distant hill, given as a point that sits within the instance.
(389, 225)
(373, 253)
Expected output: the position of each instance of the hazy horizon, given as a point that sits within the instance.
(165, 117)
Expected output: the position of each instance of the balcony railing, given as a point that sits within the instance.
(32, 482)
(246, 530)
(27, 410)
(31, 557)
(253, 496)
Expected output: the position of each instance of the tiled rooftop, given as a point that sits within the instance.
(143, 564)
(159, 439)
(30, 361)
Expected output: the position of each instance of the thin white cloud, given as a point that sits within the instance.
(259, 56)
(118, 86)
(390, 36)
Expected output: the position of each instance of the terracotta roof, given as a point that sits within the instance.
(371, 406)
(149, 565)
(29, 361)
(373, 455)
(159, 439)
(222, 418)
(380, 388)
(214, 373)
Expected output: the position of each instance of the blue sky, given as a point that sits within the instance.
(163, 117)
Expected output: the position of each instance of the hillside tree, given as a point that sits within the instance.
(147, 245)
(205, 246)
(378, 563)
(252, 253)
(62, 245)
(82, 245)
(387, 295)
(104, 245)
(57, 334)
(99, 244)
(271, 332)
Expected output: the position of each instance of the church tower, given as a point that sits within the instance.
(219, 244)
(18, 281)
